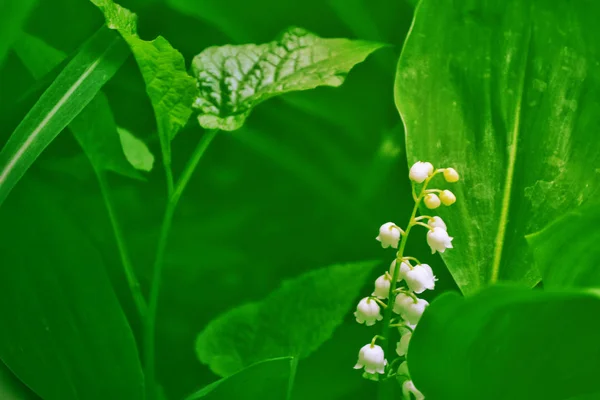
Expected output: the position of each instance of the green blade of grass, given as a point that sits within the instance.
(97, 61)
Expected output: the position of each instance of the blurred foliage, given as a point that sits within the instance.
(305, 184)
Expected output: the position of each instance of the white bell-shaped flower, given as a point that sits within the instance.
(432, 201)
(368, 312)
(404, 268)
(382, 287)
(408, 389)
(447, 198)
(420, 171)
(372, 359)
(420, 278)
(437, 222)
(408, 309)
(451, 175)
(438, 240)
(402, 346)
(389, 235)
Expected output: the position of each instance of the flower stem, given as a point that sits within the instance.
(150, 326)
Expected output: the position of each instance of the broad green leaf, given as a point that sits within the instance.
(232, 80)
(508, 93)
(170, 89)
(72, 90)
(136, 151)
(508, 343)
(292, 321)
(94, 128)
(269, 379)
(567, 252)
(12, 16)
(65, 336)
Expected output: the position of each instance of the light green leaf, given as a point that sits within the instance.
(508, 93)
(269, 379)
(567, 251)
(507, 343)
(94, 128)
(293, 321)
(234, 79)
(72, 90)
(65, 336)
(136, 151)
(170, 89)
(12, 16)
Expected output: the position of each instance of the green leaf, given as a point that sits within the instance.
(170, 89)
(508, 93)
(11, 388)
(72, 90)
(234, 79)
(269, 379)
(136, 151)
(508, 343)
(66, 335)
(12, 15)
(567, 252)
(293, 321)
(94, 128)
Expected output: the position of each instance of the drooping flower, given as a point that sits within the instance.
(382, 287)
(447, 197)
(432, 201)
(372, 359)
(438, 240)
(451, 175)
(368, 312)
(408, 308)
(420, 278)
(420, 171)
(389, 235)
(408, 388)
(437, 222)
(402, 346)
(404, 268)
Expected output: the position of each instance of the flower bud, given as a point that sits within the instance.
(432, 201)
(451, 175)
(382, 287)
(389, 235)
(368, 312)
(408, 309)
(420, 278)
(447, 197)
(402, 346)
(404, 268)
(420, 171)
(403, 370)
(408, 388)
(437, 222)
(438, 240)
(372, 359)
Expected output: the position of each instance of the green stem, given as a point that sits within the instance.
(132, 281)
(150, 328)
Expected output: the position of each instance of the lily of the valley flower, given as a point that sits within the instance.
(420, 171)
(368, 312)
(408, 309)
(447, 197)
(389, 235)
(402, 346)
(408, 388)
(437, 222)
(432, 201)
(382, 287)
(451, 175)
(372, 359)
(404, 268)
(438, 240)
(420, 278)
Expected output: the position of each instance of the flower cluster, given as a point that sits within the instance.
(396, 290)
